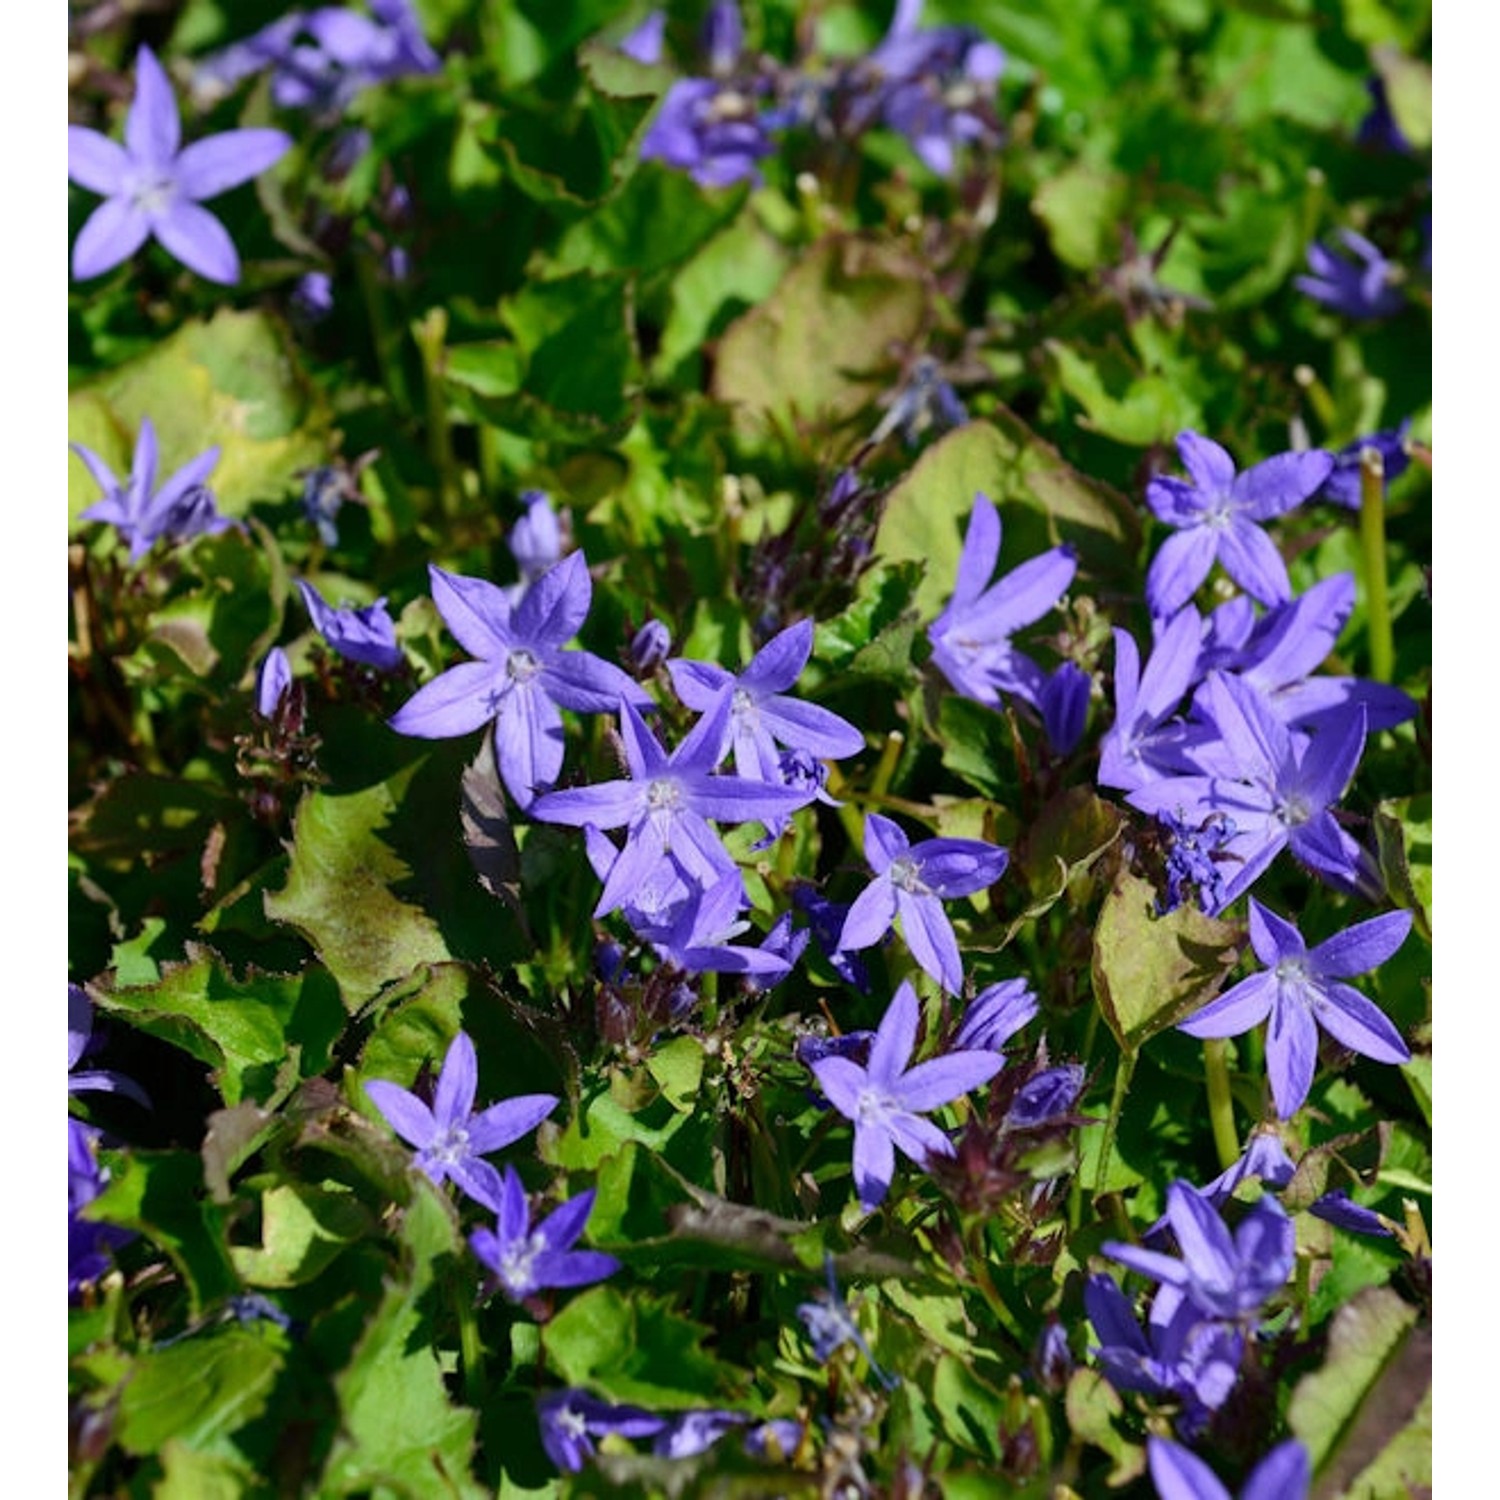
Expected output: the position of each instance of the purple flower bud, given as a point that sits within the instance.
(995, 1015)
(272, 682)
(650, 647)
(1045, 1097)
(1053, 1360)
(535, 541)
(1065, 707)
(312, 297)
(723, 37)
(644, 44)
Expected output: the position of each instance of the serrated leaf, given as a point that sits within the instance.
(1403, 837)
(1093, 1407)
(303, 1229)
(1151, 972)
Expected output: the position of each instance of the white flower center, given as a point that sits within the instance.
(517, 1262)
(522, 666)
(154, 195)
(905, 877)
(663, 795)
(874, 1106)
(449, 1146)
(1294, 811)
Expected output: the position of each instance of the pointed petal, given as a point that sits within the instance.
(1360, 1025)
(874, 1165)
(841, 1081)
(1179, 1474)
(1283, 1474)
(587, 684)
(643, 752)
(95, 161)
(1335, 856)
(1297, 639)
(508, 1121)
(1166, 1269)
(702, 748)
(895, 1037)
(456, 702)
(199, 241)
(869, 918)
(1328, 764)
(474, 610)
(453, 1099)
(1362, 947)
(193, 473)
(528, 742)
(556, 605)
(1207, 1246)
(698, 683)
(1250, 557)
(1023, 596)
(152, 127)
(403, 1111)
(477, 1179)
(1291, 1055)
(1211, 467)
(946, 1078)
(608, 804)
(575, 1268)
(1279, 484)
(102, 474)
(884, 842)
(958, 867)
(980, 554)
(1256, 746)
(930, 938)
(1180, 565)
(212, 166)
(779, 663)
(1172, 667)
(918, 1139)
(513, 1218)
(1110, 1312)
(810, 727)
(1273, 937)
(112, 233)
(1175, 502)
(738, 799)
(565, 1223)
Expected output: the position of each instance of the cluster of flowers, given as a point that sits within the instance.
(933, 85)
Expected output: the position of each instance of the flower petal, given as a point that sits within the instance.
(1283, 1474)
(1362, 947)
(565, 1223)
(112, 233)
(874, 1165)
(1291, 1055)
(506, 1122)
(95, 161)
(456, 702)
(528, 742)
(1279, 484)
(403, 1111)
(1359, 1024)
(1273, 937)
(1179, 1474)
(930, 938)
(1181, 563)
(1209, 464)
(810, 727)
(841, 1081)
(870, 916)
(152, 127)
(884, 842)
(1250, 557)
(212, 166)
(944, 1079)
(894, 1037)
(556, 605)
(199, 241)
(453, 1099)
(476, 612)
(590, 685)
(779, 663)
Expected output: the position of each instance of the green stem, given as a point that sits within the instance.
(980, 1271)
(1220, 1100)
(468, 1341)
(1372, 541)
(382, 334)
(1116, 1104)
(430, 334)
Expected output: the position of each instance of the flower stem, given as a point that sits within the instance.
(1220, 1101)
(468, 1341)
(1372, 540)
(382, 335)
(430, 334)
(1116, 1104)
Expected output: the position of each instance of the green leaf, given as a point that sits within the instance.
(1151, 972)
(303, 1229)
(398, 1427)
(599, 1129)
(970, 1410)
(1082, 207)
(1120, 401)
(1068, 835)
(160, 1194)
(636, 1351)
(1093, 1408)
(1403, 836)
(339, 892)
(1374, 1384)
(190, 1475)
(977, 745)
(232, 382)
(1408, 86)
(1041, 498)
(200, 1390)
(678, 1067)
(818, 350)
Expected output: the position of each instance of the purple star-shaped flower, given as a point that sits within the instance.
(666, 803)
(522, 677)
(154, 186)
(365, 635)
(1216, 517)
(1143, 742)
(886, 1100)
(971, 638)
(524, 1260)
(1179, 1474)
(911, 882)
(572, 1420)
(1223, 1275)
(830, 1325)
(450, 1138)
(1276, 787)
(1298, 990)
(1364, 287)
(181, 509)
(761, 716)
(710, 129)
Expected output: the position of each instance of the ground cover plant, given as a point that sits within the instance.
(750, 749)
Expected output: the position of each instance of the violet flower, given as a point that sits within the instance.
(911, 882)
(89, 1243)
(711, 130)
(450, 1139)
(644, 43)
(1364, 287)
(1216, 515)
(887, 1099)
(1144, 741)
(1179, 1474)
(971, 643)
(995, 1015)
(366, 635)
(689, 1433)
(1343, 487)
(1223, 1275)
(535, 540)
(1299, 989)
(522, 677)
(1064, 707)
(272, 682)
(830, 1325)
(666, 803)
(1180, 1355)
(183, 508)
(80, 1034)
(761, 715)
(152, 186)
(523, 1260)
(1277, 788)
(571, 1421)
